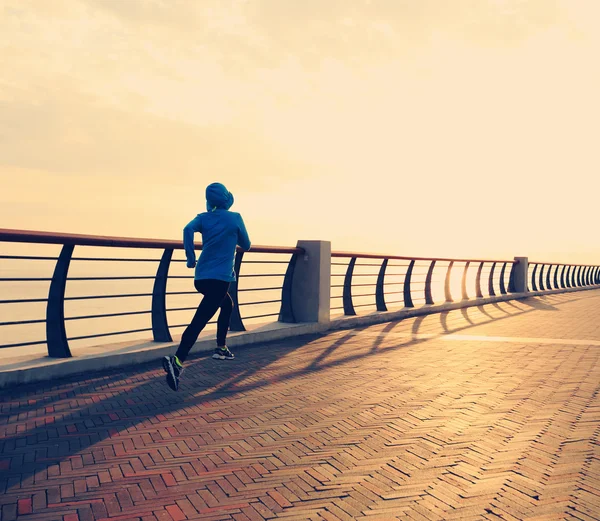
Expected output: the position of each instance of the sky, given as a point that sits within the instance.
(463, 128)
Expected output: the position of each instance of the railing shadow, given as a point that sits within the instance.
(539, 304)
(418, 321)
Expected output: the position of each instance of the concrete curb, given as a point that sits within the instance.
(134, 353)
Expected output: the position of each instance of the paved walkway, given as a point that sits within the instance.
(481, 413)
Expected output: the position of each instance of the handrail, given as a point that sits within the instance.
(401, 257)
(571, 275)
(559, 264)
(409, 285)
(499, 278)
(56, 337)
(540, 278)
(10, 235)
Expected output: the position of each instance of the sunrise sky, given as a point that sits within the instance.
(412, 127)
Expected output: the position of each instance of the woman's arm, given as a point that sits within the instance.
(188, 240)
(243, 239)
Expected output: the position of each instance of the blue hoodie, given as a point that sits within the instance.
(221, 231)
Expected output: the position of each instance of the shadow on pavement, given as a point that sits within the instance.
(114, 401)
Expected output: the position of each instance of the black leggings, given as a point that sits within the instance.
(215, 297)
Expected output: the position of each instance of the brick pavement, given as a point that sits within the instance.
(481, 413)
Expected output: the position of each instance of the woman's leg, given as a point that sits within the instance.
(214, 292)
(224, 320)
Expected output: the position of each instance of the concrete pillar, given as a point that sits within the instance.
(521, 275)
(311, 286)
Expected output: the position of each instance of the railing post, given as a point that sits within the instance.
(447, 292)
(511, 278)
(521, 268)
(379, 288)
(311, 283)
(160, 325)
(586, 275)
(502, 284)
(542, 288)
(579, 281)
(428, 296)
(563, 283)
(533, 282)
(236, 323)
(548, 281)
(347, 295)
(478, 292)
(56, 335)
(408, 302)
(286, 313)
(491, 291)
(463, 282)
(570, 277)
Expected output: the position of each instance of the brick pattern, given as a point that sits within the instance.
(366, 424)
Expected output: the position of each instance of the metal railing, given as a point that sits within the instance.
(414, 280)
(358, 281)
(56, 336)
(546, 276)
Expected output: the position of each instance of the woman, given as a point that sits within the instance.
(221, 231)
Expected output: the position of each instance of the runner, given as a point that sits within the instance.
(221, 231)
